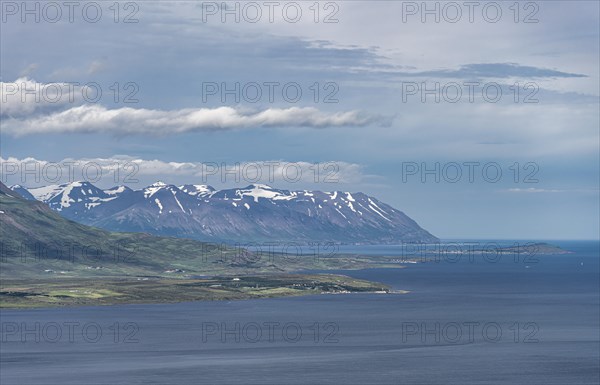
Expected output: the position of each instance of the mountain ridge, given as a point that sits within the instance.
(255, 213)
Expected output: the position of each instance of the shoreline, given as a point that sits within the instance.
(77, 292)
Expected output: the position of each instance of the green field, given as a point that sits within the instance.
(109, 291)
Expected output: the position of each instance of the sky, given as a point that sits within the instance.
(479, 121)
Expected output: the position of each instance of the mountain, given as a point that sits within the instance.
(256, 213)
(36, 241)
(77, 197)
(23, 192)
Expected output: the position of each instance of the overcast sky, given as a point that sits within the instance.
(387, 91)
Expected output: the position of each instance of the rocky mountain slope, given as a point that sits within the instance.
(256, 213)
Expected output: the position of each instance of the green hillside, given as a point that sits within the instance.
(37, 241)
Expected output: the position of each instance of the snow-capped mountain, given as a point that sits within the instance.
(23, 192)
(256, 213)
(76, 197)
(197, 189)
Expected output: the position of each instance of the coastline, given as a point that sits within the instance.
(20, 294)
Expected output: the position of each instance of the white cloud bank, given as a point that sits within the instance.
(130, 121)
(29, 107)
(122, 169)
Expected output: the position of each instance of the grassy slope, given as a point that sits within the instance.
(35, 239)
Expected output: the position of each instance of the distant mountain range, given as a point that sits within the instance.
(256, 213)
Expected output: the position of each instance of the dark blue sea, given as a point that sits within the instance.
(466, 321)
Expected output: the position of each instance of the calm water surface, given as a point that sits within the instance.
(462, 323)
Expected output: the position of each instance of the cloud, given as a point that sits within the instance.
(495, 70)
(123, 169)
(533, 190)
(96, 66)
(25, 96)
(29, 69)
(505, 70)
(130, 121)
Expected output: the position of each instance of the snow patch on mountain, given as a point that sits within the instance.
(263, 191)
(197, 189)
(153, 189)
(46, 193)
(116, 190)
(177, 200)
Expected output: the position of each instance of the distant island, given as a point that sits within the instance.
(470, 251)
(535, 248)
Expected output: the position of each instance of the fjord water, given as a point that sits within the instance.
(541, 319)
